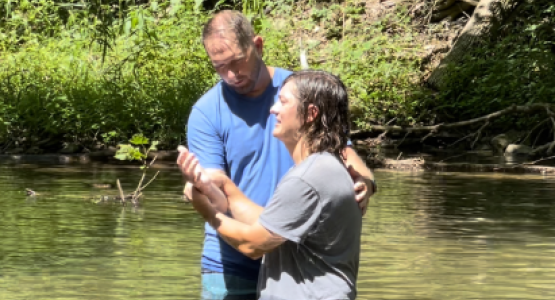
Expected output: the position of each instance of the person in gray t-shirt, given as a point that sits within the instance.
(309, 233)
(313, 209)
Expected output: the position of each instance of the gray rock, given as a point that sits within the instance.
(514, 149)
(500, 142)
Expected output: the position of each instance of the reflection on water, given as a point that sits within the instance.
(426, 236)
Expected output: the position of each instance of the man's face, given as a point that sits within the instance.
(238, 69)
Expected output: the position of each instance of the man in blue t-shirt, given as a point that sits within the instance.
(230, 131)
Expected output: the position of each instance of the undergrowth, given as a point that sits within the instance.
(96, 72)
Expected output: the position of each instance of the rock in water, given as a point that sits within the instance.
(30, 192)
(514, 149)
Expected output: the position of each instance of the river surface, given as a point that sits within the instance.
(426, 236)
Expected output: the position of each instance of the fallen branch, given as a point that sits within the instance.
(442, 126)
(419, 164)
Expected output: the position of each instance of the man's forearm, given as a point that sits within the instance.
(352, 158)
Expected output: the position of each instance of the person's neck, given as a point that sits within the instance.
(264, 79)
(298, 151)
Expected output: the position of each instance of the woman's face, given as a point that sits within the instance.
(286, 110)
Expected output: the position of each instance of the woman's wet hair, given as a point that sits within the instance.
(329, 130)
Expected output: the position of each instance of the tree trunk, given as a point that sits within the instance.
(478, 26)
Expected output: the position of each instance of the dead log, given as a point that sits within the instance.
(419, 164)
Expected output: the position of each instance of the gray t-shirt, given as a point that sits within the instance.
(314, 208)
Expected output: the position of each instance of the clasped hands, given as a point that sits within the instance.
(199, 178)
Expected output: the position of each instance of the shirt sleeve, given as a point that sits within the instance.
(205, 142)
(293, 211)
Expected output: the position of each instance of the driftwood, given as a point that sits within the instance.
(419, 164)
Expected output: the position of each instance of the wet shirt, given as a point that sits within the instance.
(314, 208)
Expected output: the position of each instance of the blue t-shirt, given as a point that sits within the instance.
(233, 133)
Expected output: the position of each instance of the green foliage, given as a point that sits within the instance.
(381, 70)
(65, 85)
(140, 153)
(514, 66)
(100, 71)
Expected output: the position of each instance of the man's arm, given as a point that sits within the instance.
(205, 140)
(253, 240)
(363, 177)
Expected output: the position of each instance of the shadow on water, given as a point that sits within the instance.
(426, 236)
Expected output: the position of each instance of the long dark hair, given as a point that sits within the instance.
(329, 131)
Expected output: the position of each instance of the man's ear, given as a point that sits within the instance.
(313, 111)
(258, 44)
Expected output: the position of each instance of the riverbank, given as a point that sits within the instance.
(448, 161)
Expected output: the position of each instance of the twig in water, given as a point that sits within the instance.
(399, 156)
(137, 193)
(151, 180)
(121, 194)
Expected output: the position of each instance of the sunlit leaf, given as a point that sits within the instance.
(139, 139)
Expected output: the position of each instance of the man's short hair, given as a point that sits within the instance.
(230, 21)
(329, 131)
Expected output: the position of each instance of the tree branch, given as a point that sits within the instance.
(436, 128)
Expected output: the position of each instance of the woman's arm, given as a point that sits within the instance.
(253, 240)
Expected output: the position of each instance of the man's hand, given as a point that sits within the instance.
(192, 171)
(362, 190)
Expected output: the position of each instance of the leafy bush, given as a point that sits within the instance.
(66, 87)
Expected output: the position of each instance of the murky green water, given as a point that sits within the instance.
(426, 236)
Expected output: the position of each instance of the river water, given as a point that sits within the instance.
(426, 236)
